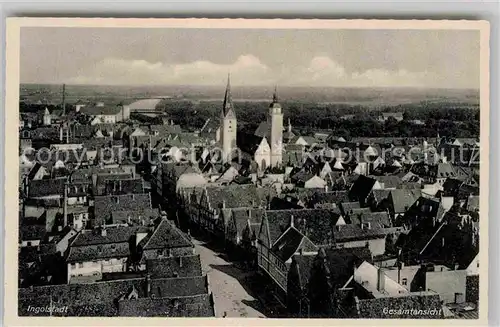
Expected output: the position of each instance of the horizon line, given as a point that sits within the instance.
(262, 86)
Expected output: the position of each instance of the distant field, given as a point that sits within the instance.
(370, 97)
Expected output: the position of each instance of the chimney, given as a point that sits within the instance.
(189, 233)
(59, 228)
(291, 220)
(64, 99)
(180, 261)
(60, 133)
(148, 285)
(223, 204)
(380, 280)
(65, 205)
(104, 233)
(326, 188)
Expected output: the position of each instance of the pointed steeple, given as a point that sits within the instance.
(228, 107)
(275, 94)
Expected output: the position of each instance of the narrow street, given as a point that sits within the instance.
(228, 284)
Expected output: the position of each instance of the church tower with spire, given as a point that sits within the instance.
(276, 132)
(228, 125)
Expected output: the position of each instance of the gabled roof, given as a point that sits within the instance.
(178, 169)
(290, 242)
(390, 181)
(189, 306)
(263, 129)
(361, 187)
(304, 176)
(181, 286)
(343, 261)
(473, 203)
(72, 156)
(183, 266)
(164, 130)
(366, 275)
(334, 197)
(352, 232)
(134, 216)
(445, 170)
(114, 235)
(167, 236)
(317, 224)
(375, 219)
(123, 186)
(248, 143)
(423, 209)
(451, 186)
(309, 140)
(46, 187)
(31, 232)
(235, 196)
(380, 195)
(96, 252)
(242, 216)
(105, 205)
(305, 265)
(34, 170)
(403, 199)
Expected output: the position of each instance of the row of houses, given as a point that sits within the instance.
(91, 239)
(280, 220)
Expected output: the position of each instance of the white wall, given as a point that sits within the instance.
(376, 246)
(90, 268)
(32, 242)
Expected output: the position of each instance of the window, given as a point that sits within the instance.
(80, 265)
(28, 243)
(404, 281)
(73, 266)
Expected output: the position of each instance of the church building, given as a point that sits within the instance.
(263, 148)
(228, 125)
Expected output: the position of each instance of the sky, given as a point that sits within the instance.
(260, 57)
